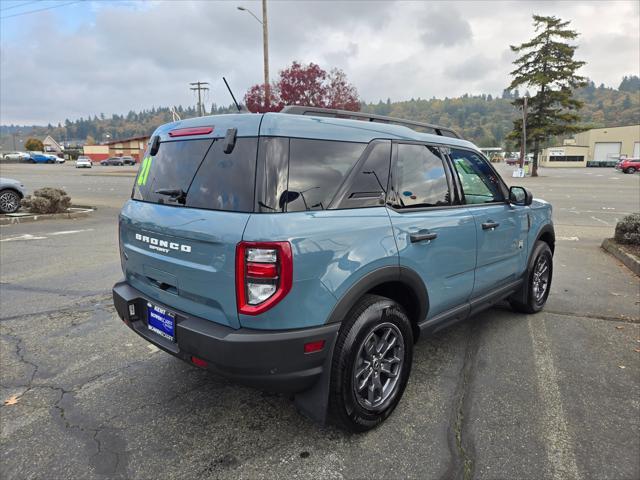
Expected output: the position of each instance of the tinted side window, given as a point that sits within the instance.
(420, 178)
(366, 185)
(480, 183)
(316, 170)
(226, 181)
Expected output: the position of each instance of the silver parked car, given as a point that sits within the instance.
(11, 193)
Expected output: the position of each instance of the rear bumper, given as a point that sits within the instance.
(268, 360)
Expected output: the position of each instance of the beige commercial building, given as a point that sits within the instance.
(129, 147)
(599, 147)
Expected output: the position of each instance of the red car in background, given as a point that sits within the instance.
(515, 161)
(629, 165)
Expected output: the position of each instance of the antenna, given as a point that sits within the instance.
(234, 98)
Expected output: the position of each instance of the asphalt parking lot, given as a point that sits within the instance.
(504, 395)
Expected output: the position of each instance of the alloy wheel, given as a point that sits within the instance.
(9, 202)
(541, 274)
(377, 367)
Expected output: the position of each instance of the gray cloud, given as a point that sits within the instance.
(134, 56)
(473, 68)
(445, 26)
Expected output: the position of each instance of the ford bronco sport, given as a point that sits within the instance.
(306, 251)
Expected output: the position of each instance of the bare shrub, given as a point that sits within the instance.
(628, 230)
(47, 200)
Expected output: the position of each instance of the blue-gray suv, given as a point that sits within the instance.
(307, 251)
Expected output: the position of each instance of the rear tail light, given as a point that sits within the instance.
(264, 275)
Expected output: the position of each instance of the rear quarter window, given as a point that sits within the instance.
(317, 168)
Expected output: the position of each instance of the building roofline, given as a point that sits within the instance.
(614, 126)
(113, 142)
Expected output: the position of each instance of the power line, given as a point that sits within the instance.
(200, 87)
(18, 5)
(40, 9)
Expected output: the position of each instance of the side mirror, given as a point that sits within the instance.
(520, 196)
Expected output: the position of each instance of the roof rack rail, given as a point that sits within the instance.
(370, 117)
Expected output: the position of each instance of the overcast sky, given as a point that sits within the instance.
(93, 57)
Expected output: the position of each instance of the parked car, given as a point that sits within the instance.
(16, 156)
(11, 193)
(515, 161)
(128, 160)
(83, 162)
(629, 165)
(36, 157)
(54, 158)
(303, 254)
(112, 161)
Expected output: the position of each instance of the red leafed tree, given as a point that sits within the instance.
(308, 85)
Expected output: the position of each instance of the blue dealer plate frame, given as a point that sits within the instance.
(161, 322)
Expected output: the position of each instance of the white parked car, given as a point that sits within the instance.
(83, 162)
(19, 156)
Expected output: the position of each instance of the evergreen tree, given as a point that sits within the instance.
(546, 64)
(630, 84)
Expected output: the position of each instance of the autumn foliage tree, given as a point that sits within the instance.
(307, 85)
(33, 145)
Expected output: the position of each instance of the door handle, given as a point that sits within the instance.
(490, 225)
(422, 235)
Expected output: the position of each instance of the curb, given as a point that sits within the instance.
(630, 261)
(78, 212)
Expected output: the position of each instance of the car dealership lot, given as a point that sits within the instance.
(503, 395)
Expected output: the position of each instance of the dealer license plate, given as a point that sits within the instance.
(161, 322)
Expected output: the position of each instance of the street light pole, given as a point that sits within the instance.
(523, 146)
(265, 47)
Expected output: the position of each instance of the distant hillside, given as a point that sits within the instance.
(483, 119)
(486, 120)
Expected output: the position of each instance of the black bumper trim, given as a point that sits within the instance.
(265, 359)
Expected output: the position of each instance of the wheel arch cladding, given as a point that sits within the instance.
(401, 284)
(548, 236)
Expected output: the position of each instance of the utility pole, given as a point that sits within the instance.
(265, 47)
(200, 87)
(523, 144)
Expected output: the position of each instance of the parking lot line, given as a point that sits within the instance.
(67, 232)
(22, 237)
(558, 441)
(27, 236)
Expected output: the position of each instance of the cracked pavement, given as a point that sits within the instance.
(503, 395)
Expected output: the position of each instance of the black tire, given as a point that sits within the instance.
(630, 170)
(372, 314)
(9, 201)
(538, 282)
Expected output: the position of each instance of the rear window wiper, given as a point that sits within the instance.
(175, 194)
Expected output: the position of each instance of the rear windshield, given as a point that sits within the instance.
(198, 174)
